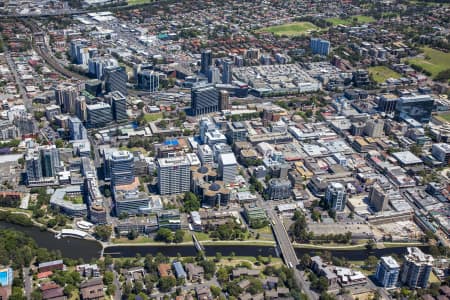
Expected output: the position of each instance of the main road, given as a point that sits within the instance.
(287, 249)
(12, 66)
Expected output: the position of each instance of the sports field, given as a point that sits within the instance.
(381, 73)
(434, 61)
(291, 29)
(359, 20)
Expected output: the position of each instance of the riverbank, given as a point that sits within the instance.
(89, 249)
(69, 247)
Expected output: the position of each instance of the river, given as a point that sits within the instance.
(88, 249)
(69, 247)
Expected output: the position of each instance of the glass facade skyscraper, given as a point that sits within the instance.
(387, 272)
(319, 46)
(418, 107)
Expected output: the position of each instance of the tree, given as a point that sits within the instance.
(111, 290)
(166, 283)
(298, 229)
(133, 234)
(255, 286)
(165, 235)
(218, 257)
(59, 143)
(371, 262)
(209, 267)
(103, 232)
(305, 261)
(370, 245)
(215, 291)
(191, 202)
(416, 149)
(51, 223)
(36, 295)
(179, 235)
(69, 289)
(108, 277)
(107, 192)
(320, 284)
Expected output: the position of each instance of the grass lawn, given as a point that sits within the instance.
(359, 20)
(241, 243)
(266, 230)
(437, 61)
(202, 236)
(395, 245)
(381, 73)
(330, 246)
(137, 2)
(433, 278)
(74, 199)
(138, 240)
(359, 265)
(291, 29)
(445, 117)
(187, 237)
(239, 259)
(134, 149)
(153, 117)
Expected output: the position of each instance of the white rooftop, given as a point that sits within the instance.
(228, 159)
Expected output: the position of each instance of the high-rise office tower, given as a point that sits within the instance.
(76, 129)
(204, 100)
(336, 196)
(374, 128)
(416, 269)
(33, 166)
(205, 154)
(378, 198)
(96, 65)
(418, 107)
(65, 96)
(206, 125)
(49, 161)
(206, 61)
(319, 46)
(79, 52)
(174, 175)
(227, 167)
(122, 168)
(81, 108)
(224, 100)
(98, 115)
(213, 75)
(227, 71)
(361, 78)
(118, 104)
(115, 79)
(441, 151)
(387, 103)
(148, 80)
(387, 272)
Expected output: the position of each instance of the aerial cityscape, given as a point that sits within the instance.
(220, 149)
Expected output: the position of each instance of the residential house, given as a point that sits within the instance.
(194, 272)
(179, 270)
(203, 293)
(164, 270)
(92, 289)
